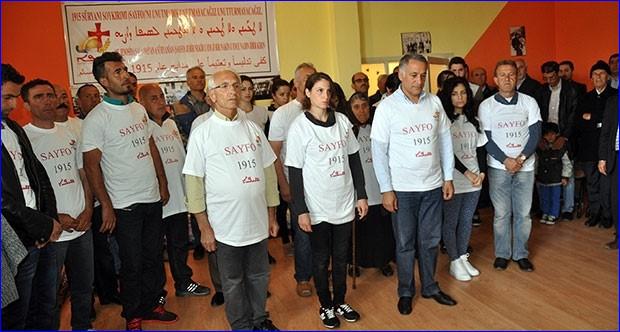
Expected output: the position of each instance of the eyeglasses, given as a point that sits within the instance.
(227, 86)
(361, 80)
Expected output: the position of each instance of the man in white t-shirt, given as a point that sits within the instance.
(511, 120)
(57, 148)
(413, 160)
(232, 191)
(168, 141)
(28, 201)
(62, 112)
(125, 172)
(278, 130)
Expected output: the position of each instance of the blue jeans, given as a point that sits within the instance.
(550, 199)
(568, 192)
(77, 257)
(44, 291)
(456, 229)
(417, 226)
(245, 277)
(14, 315)
(303, 251)
(511, 195)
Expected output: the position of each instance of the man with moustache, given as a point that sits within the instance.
(87, 98)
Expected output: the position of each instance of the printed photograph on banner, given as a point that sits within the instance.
(262, 87)
(517, 41)
(416, 42)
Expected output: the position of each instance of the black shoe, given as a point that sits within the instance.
(266, 325)
(328, 317)
(567, 216)
(605, 223)
(217, 299)
(592, 221)
(271, 259)
(387, 270)
(404, 305)
(160, 315)
(199, 252)
(500, 264)
(358, 271)
(349, 314)
(194, 289)
(114, 299)
(441, 298)
(525, 265)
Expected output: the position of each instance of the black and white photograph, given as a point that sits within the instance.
(416, 42)
(517, 41)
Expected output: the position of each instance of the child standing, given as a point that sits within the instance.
(553, 171)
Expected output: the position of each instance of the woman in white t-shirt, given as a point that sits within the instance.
(468, 142)
(325, 176)
(256, 114)
(375, 246)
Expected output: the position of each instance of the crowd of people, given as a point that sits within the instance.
(101, 199)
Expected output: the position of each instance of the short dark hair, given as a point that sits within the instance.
(276, 84)
(506, 62)
(25, 92)
(550, 67)
(443, 76)
(615, 55)
(550, 127)
(457, 60)
(79, 91)
(99, 63)
(10, 74)
(132, 75)
(312, 80)
(393, 82)
(405, 59)
(244, 78)
(569, 63)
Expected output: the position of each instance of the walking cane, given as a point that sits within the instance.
(353, 254)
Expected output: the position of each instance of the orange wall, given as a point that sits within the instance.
(33, 42)
(581, 32)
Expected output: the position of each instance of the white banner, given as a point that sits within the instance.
(160, 41)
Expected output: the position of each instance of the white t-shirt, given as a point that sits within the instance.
(11, 143)
(372, 186)
(323, 155)
(280, 123)
(59, 152)
(258, 115)
(170, 146)
(509, 126)
(465, 140)
(412, 133)
(231, 156)
(74, 124)
(199, 120)
(122, 133)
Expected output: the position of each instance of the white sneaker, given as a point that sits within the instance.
(471, 270)
(458, 271)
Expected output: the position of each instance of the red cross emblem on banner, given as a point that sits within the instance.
(98, 33)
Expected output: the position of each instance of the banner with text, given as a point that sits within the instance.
(160, 41)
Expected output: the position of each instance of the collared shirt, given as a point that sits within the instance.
(554, 103)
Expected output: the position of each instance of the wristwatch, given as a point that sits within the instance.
(521, 158)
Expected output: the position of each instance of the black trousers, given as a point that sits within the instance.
(139, 232)
(330, 242)
(177, 237)
(106, 282)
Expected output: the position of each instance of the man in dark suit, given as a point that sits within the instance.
(526, 84)
(608, 158)
(566, 73)
(558, 104)
(479, 77)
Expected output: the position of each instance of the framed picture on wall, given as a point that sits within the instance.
(517, 41)
(416, 42)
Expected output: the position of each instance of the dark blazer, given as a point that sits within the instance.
(580, 88)
(588, 132)
(607, 142)
(568, 106)
(31, 225)
(531, 87)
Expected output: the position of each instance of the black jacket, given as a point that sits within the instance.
(29, 224)
(568, 106)
(588, 132)
(550, 163)
(607, 143)
(580, 88)
(531, 87)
